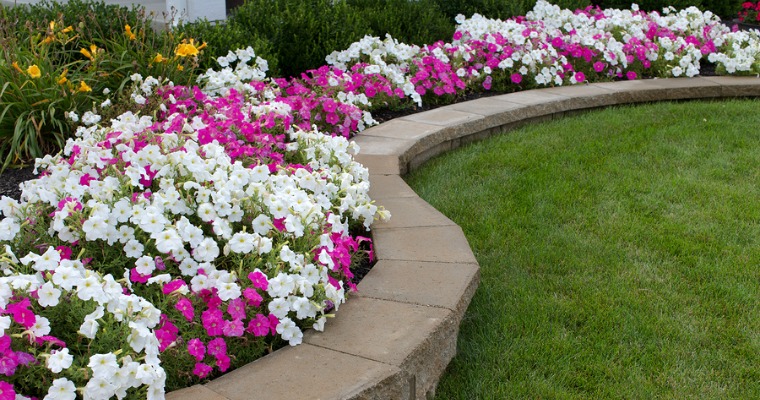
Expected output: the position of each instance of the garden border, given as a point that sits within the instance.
(394, 339)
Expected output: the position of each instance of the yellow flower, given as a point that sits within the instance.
(16, 67)
(128, 32)
(52, 25)
(67, 29)
(87, 54)
(159, 58)
(186, 49)
(47, 40)
(62, 79)
(83, 87)
(92, 53)
(180, 68)
(34, 71)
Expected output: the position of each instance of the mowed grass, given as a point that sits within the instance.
(619, 253)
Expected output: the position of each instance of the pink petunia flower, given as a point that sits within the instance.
(185, 307)
(202, 370)
(196, 348)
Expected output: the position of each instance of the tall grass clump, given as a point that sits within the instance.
(60, 61)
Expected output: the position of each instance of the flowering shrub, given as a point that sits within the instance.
(222, 215)
(220, 222)
(750, 12)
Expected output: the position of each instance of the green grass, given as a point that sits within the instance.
(619, 255)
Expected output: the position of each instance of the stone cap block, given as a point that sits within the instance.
(311, 372)
(407, 212)
(379, 330)
(389, 186)
(435, 243)
(446, 285)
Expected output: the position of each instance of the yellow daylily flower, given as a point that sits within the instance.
(52, 25)
(83, 87)
(129, 33)
(92, 53)
(87, 53)
(180, 68)
(67, 29)
(186, 49)
(16, 67)
(62, 79)
(159, 58)
(34, 71)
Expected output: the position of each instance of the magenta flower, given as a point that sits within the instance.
(580, 77)
(631, 75)
(236, 308)
(259, 325)
(516, 78)
(202, 370)
(217, 347)
(185, 307)
(21, 313)
(259, 280)
(6, 391)
(173, 285)
(234, 328)
(598, 66)
(196, 348)
(213, 321)
(223, 362)
(253, 297)
(8, 364)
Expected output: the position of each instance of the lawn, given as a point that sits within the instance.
(619, 255)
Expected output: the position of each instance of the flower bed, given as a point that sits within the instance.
(221, 216)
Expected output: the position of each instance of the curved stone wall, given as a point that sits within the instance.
(394, 339)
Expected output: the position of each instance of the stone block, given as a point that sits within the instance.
(411, 212)
(737, 86)
(400, 128)
(389, 186)
(418, 340)
(447, 285)
(311, 372)
(196, 392)
(381, 164)
(436, 243)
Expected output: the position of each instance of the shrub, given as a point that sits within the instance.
(294, 36)
(499, 9)
(726, 9)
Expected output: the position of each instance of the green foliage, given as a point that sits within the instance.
(726, 9)
(295, 36)
(501, 9)
(79, 48)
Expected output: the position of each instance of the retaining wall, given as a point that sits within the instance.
(394, 339)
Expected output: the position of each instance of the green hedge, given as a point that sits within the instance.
(296, 35)
(726, 9)
(501, 9)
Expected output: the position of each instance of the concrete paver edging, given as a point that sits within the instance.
(394, 339)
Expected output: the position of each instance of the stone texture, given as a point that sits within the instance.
(381, 164)
(385, 146)
(447, 285)
(439, 244)
(407, 212)
(400, 128)
(737, 86)
(196, 392)
(310, 372)
(389, 186)
(419, 340)
(581, 97)
(649, 90)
